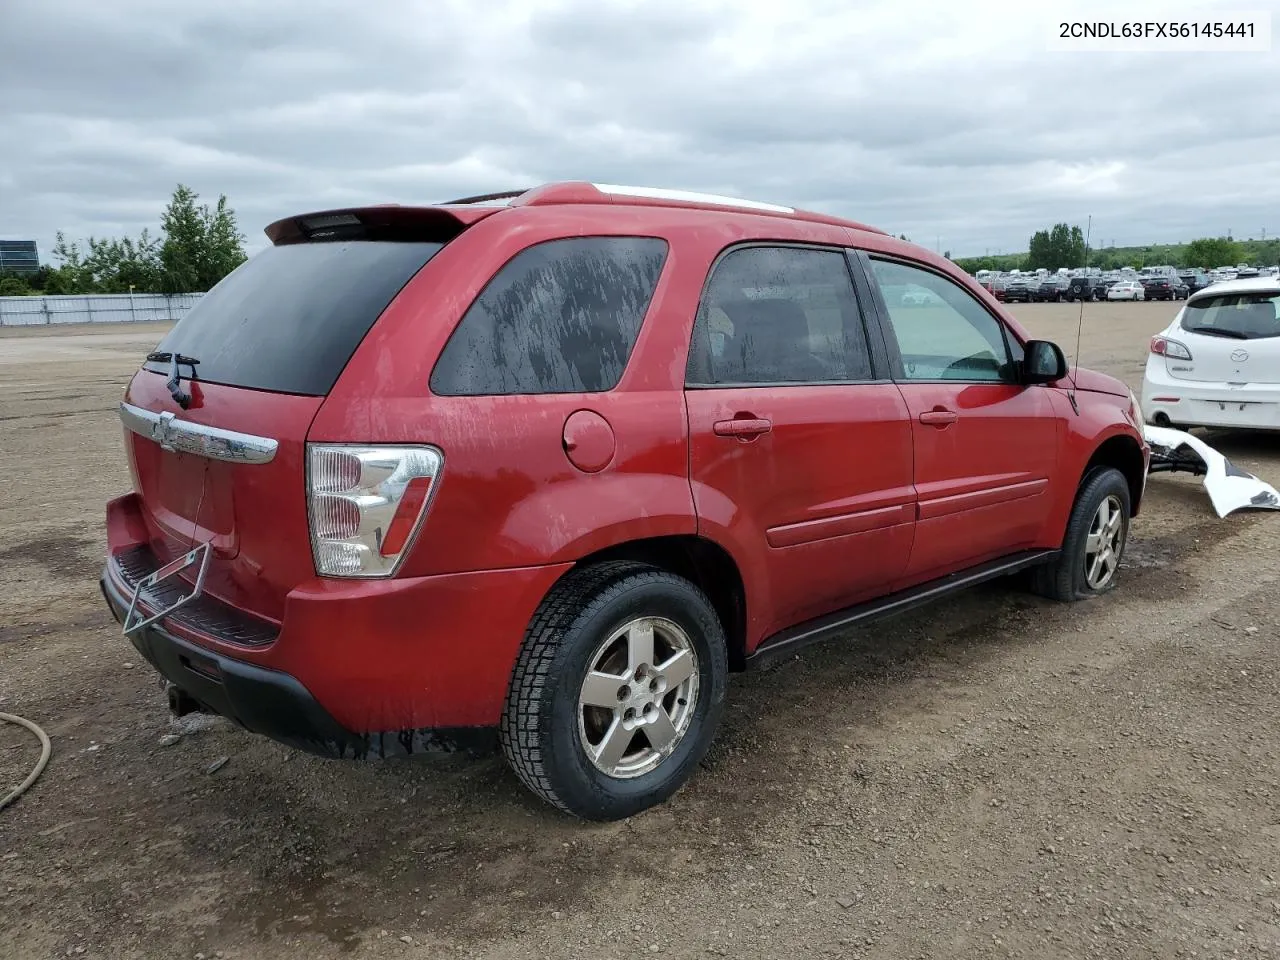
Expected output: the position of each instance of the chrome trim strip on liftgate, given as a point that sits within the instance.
(183, 436)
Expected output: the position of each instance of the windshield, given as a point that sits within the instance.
(1245, 316)
(288, 319)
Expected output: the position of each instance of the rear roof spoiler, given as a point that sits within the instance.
(385, 222)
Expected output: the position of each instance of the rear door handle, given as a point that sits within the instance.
(743, 428)
(938, 418)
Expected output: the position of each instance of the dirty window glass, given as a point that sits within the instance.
(561, 317)
(1241, 316)
(779, 315)
(289, 318)
(943, 333)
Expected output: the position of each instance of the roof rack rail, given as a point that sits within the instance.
(484, 197)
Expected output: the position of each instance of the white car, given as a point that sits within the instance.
(1126, 290)
(1218, 363)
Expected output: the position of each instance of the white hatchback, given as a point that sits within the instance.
(1218, 363)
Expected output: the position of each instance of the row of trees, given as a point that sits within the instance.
(1063, 246)
(198, 245)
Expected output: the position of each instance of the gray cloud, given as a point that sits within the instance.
(951, 123)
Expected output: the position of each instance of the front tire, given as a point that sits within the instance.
(1096, 535)
(617, 692)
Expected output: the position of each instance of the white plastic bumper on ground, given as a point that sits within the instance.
(1229, 487)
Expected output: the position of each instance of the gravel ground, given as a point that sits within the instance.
(994, 777)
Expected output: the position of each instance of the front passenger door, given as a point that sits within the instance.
(985, 445)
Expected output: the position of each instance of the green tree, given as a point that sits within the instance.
(1210, 252)
(14, 286)
(119, 266)
(201, 245)
(1061, 245)
(73, 273)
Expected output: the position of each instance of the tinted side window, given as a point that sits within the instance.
(561, 317)
(943, 333)
(779, 315)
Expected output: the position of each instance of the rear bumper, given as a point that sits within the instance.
(356, 666)
(273, 703)
(1203, 403)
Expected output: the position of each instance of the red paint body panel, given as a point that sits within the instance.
(402, 654)
(255, 514)
(813, 511)
(845, 497)
(1004, 438)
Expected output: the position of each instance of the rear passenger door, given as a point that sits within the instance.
(800, 446)
(985, 445)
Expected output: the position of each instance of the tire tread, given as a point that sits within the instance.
(524, 716)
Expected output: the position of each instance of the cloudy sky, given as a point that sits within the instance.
(951, 122)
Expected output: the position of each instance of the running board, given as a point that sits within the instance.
(785, 643)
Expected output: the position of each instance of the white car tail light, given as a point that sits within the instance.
(366, 503)
(1172, 349)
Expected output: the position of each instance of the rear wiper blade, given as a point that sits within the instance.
(164, 356)
(1218, 332)
(181, 397)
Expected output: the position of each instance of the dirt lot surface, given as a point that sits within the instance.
(998, 776)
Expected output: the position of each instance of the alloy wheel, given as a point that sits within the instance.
(638, 698)
(1104, 543)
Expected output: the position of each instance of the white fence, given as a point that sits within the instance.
(98, 308)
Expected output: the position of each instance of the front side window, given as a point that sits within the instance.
(774, 315)
(943, 332)
(560, 317)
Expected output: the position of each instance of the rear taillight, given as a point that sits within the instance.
(1165, 347)
(366, 504)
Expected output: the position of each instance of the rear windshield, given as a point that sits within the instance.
(289, 318)
(1242, 316)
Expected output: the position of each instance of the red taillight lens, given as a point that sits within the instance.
(1164, 347)
(402, 524)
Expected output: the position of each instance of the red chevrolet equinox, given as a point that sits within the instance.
(541, 469)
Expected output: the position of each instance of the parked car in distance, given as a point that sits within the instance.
(1163, 287)
(1053, 289)
(1194, 280)
(1217, 364)
(538, 470)
(1021, 289)
(1086, 288)
(1126, 290)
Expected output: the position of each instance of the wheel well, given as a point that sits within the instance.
(1124, 454)
(703, 563)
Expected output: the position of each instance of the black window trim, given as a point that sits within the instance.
(881, 371)
(886, 328)
(631, 352)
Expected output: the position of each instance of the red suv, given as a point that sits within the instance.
(543, 468)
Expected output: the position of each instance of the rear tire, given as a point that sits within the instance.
(570, 738)
(1093, 547)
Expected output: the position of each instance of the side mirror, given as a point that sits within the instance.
(1044, 363)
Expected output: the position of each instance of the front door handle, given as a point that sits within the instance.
(939, 417)
(744, 428)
